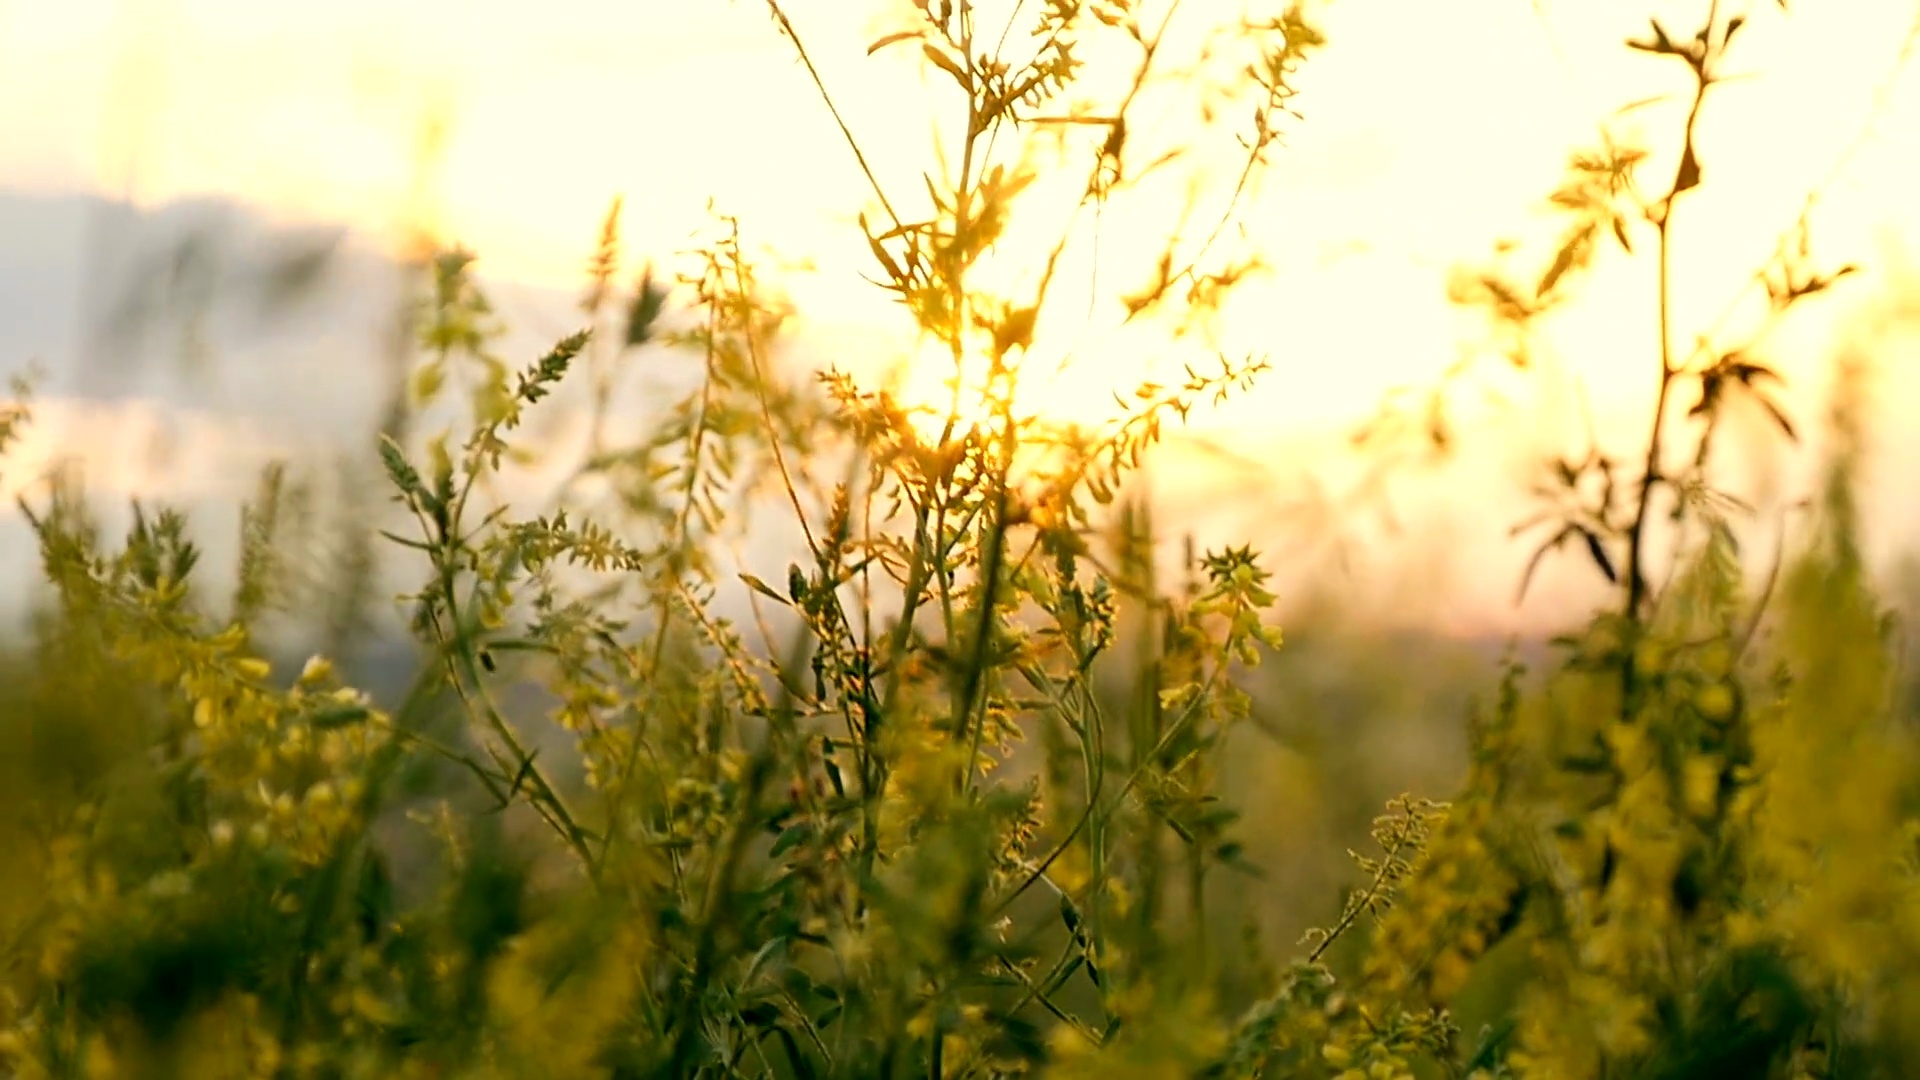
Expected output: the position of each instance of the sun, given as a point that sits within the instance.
(945, 399)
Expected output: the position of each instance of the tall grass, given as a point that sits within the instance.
(947, 803)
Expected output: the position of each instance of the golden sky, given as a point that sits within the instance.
(1430, 130)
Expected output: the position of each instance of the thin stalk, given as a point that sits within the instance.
(1651, 474)
(1686, 176)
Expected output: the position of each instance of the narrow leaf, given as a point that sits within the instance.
(946, 63)
(904, 35)
(648, 301)
(1599, 552)
(1620, 234)
(789, 839)
(886, 260)
(764, 589)
(1562, 262)
(520, 777)
(1688, 177)
(1540, 553)
(1780, 418)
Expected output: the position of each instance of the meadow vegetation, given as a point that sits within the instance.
(948, 804)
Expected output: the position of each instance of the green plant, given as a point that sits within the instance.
(807, 857)
(1656, 825)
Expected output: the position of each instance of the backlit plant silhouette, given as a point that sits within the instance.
(944, 803)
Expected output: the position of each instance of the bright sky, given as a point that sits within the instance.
(1430, 130)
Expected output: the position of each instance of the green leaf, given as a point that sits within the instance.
(764, 589)
(404, 476)
(426, 382)
(789, 839)
(649, 300)
(520, 776)
(1070, 915)
(334, 716)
